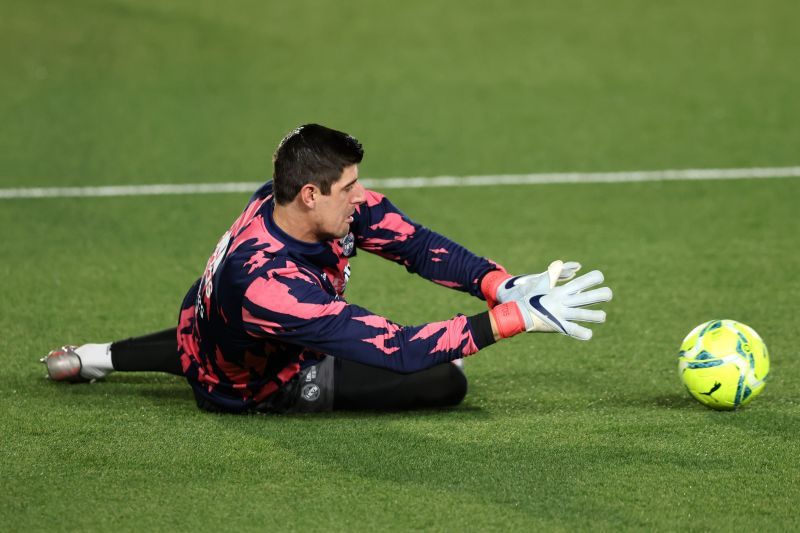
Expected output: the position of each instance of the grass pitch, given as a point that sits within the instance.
(554, 433)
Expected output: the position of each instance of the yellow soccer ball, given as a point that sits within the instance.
(723, 364)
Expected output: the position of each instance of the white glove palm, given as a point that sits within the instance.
(516, 287)
(547, 309)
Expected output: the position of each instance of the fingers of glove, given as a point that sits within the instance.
(554, 272)
(584, 315)
(595, 277)
(577, 332)
(569, 270)
(602, 294)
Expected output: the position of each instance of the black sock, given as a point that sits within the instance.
(157, 352)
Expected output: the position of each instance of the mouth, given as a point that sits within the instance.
(349, 219)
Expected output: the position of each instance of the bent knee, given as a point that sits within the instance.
(456, 388)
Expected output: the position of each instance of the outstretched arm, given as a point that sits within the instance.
(289, 305)
(381, 228)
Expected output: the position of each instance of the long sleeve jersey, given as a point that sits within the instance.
(268, 304)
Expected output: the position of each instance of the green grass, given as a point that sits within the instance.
(105, 91)
(554, 434)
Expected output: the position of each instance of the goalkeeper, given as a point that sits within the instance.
(266, 328)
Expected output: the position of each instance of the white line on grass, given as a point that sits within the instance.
(405, 183)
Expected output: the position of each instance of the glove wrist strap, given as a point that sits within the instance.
(509, 319)
(490, 283)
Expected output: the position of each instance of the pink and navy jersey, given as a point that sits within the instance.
(267, 304)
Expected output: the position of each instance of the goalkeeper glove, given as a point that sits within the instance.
(499, 287)
(545, 309)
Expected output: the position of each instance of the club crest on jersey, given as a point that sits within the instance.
(310, 392)
(347, 243)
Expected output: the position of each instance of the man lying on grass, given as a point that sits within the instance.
(267, 328)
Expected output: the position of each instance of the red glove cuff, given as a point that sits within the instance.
(490, 282)
(508, 319)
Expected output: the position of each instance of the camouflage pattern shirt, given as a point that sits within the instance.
(267, 304)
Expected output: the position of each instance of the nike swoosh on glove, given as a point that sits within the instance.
(559, 309)
(515, 288)
(499, 287)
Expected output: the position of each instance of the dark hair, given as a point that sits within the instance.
(312, 154)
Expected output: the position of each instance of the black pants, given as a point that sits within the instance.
(355, 386)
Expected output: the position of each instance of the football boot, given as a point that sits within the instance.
(64, 364)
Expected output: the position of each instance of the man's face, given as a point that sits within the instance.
(334, 212)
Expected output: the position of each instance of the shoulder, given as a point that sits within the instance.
(374, 208)
(374, 198)
(262, 192)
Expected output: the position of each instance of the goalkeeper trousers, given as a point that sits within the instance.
(355, 386)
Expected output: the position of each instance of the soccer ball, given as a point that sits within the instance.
(723, 364)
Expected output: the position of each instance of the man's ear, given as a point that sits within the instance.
(309, 194)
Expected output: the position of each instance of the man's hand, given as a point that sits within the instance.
(541, 306)
(556, 309)
(515, 288)
(499, 287)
